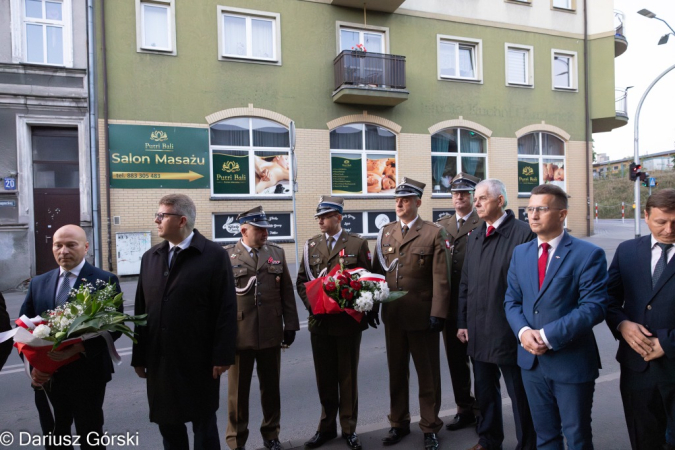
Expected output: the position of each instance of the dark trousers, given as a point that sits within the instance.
(268, 368)
(336, 363)
(83, 405)
(559, 408)
(489, 399)
(175, 436)
(460, 371)
(649, 406)
(423, 346)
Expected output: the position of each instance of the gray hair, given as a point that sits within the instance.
(183, 205)
(495, 188)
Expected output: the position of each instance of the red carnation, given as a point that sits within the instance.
(330, 286)
(355, 285)
(347, 294)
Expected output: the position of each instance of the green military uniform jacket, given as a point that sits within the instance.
(267, 307)
(357, 254)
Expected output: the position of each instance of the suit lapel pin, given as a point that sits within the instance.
(557, 257)
(312, 244)
(233, 256)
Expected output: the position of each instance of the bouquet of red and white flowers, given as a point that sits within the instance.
(352, 291)
(92, 312)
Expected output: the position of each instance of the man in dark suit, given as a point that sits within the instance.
(267, 319)
(5, 347)
(336, 338)
(481, 320)
(411, 255)
(76, 390)
(557, 293)
(641, 316)
(459, 226)
(187, 290)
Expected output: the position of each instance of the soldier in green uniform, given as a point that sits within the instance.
(459, 226)
(266, 319)
(411, 255)
(336, 338)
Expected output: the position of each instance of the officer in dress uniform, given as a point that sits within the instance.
(458, 227)
(411, 254)
(267, 319)
(336, 338)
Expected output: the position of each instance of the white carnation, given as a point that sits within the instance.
(383, 292)
(364, 303)
(42, 331)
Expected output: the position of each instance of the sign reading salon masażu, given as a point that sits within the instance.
(528, 176)
(347, 174)
(146, 156)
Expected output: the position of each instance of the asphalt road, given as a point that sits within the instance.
(126, 409)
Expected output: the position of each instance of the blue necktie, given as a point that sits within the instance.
(661, 264)
(64, 290)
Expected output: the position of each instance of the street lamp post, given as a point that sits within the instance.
(663, 40)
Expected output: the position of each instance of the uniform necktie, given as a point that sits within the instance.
(490, 230)
(404, 231)
(175, 251)
(64, 290)
(254, 255)
(460, 222)
(661, 264)
(331, 243)
(543, 262)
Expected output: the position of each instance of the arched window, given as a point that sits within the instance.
(250, 156)
(541, 159)
(363, 160)
(455, 150)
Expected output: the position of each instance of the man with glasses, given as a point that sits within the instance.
(187, 290)
(481, 320)
(336, 338)
(459, 226)
(557, 293)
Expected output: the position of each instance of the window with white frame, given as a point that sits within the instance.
(249, 35)
(44, 28)
(250, 156)
(156, 26)
(455, 150)
(519, 65)
(564, 70)
(363, 160)
(370, 40)
(541, 160)
(459, 58)
(562, 4)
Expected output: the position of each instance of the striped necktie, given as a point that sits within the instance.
(64, 290)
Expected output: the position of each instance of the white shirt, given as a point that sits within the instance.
(497, 222)
(465, 218)
(74, 273)
(656, 253)
(336, 236)
(183, 245)
(554, 244)
(409, 224)
(248, 249)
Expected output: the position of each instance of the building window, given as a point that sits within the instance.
(564, 70)
(367, 224)
(519, 66)
(250, 156)
(156, 26)
(373, 41)
(44, 30)
(541, 160)
(363, 160)
(564, 4)
(455, 150)
(249, 35)
(459, 58)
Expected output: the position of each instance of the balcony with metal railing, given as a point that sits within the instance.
(369, 78)
(620, 41)
(620, 100)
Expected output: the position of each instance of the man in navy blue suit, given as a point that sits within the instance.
(641, 315)
(76, 390)
(557, 292)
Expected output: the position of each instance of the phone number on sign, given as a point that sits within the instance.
(139, 176)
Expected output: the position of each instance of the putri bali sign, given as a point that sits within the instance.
(150, 157)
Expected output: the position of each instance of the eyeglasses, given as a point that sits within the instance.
(540, 209)
(160, 216)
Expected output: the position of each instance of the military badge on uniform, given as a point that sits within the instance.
(233, 256)
(312, 244)
(388, 233)
(447, 244)
(272, 261)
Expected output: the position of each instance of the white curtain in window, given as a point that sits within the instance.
(561, 71)
(562, 4)
(373, 42)
(448, 59)
(53, 11)
(466, 67)
(263, 38)
(155, 27)
(235, 35)
(54, 45)
(529, 144)
(517, 66)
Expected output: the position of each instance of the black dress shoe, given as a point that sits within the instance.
(396, 434)
(462, 420)
(353, 440)
(273, 444)
(430, 441)
(320, 438)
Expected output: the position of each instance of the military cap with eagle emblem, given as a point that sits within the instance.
(328, 204)
(409, 187)
(255, 217)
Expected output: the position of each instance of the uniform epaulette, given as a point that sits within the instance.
(433, 223)
(389, 223)
(273, 244)
(228, 246)
(356, 235)
(318, 236)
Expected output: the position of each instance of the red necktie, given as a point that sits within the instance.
(543, 261)
(490, 230)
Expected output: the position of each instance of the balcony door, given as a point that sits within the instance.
(367, 70)
(373, 41)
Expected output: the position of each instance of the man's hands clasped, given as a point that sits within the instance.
(640, 339)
